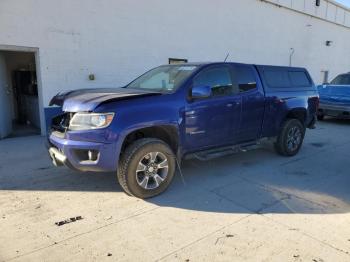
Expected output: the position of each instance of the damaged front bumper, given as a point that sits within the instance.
(59, 159)
(82, 155)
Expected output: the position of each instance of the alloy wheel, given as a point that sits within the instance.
(152, 170)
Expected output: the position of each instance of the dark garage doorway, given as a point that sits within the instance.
(19, 101)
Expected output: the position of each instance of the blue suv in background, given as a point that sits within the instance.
(200, 110)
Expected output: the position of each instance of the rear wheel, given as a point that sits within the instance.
(290, 138)
(146, 168)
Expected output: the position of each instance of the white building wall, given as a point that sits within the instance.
(120, 39)
(328, 10)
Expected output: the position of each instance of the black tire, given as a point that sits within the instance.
(283, 145)
(320, 117)
(130, 159)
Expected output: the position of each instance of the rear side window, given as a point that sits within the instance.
(284, 78)
(341, 80)
(246, 78)
(218, 78)
(299, 78)
(277, 78)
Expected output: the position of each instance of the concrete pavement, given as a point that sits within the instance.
(254, 206)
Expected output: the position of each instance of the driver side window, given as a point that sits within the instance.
(218, 79)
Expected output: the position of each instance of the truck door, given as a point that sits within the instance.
(209, 121)
(253, 103)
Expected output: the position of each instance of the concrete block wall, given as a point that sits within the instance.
(119, 39)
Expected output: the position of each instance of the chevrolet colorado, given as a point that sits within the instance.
(143, 130)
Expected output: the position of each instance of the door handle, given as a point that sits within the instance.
(231, 104)
(190, 113)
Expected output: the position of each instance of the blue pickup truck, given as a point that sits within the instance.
(335, 98)
(198, 110)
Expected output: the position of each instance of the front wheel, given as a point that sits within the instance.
(290, 138)
(147, 168)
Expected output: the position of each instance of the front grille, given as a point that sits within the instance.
(60, 123)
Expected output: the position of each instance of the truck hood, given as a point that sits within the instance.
(334, 94)
(88, 99)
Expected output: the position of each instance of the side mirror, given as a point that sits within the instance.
(200, 92)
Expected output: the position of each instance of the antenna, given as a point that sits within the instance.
(228, 54)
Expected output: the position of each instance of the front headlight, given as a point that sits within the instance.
(88, 121)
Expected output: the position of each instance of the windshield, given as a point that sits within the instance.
(341, 80)
(164, 78)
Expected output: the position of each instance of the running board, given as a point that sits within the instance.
(223, 151)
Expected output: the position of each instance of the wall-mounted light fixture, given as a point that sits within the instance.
(91, 77)
(329, 43)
